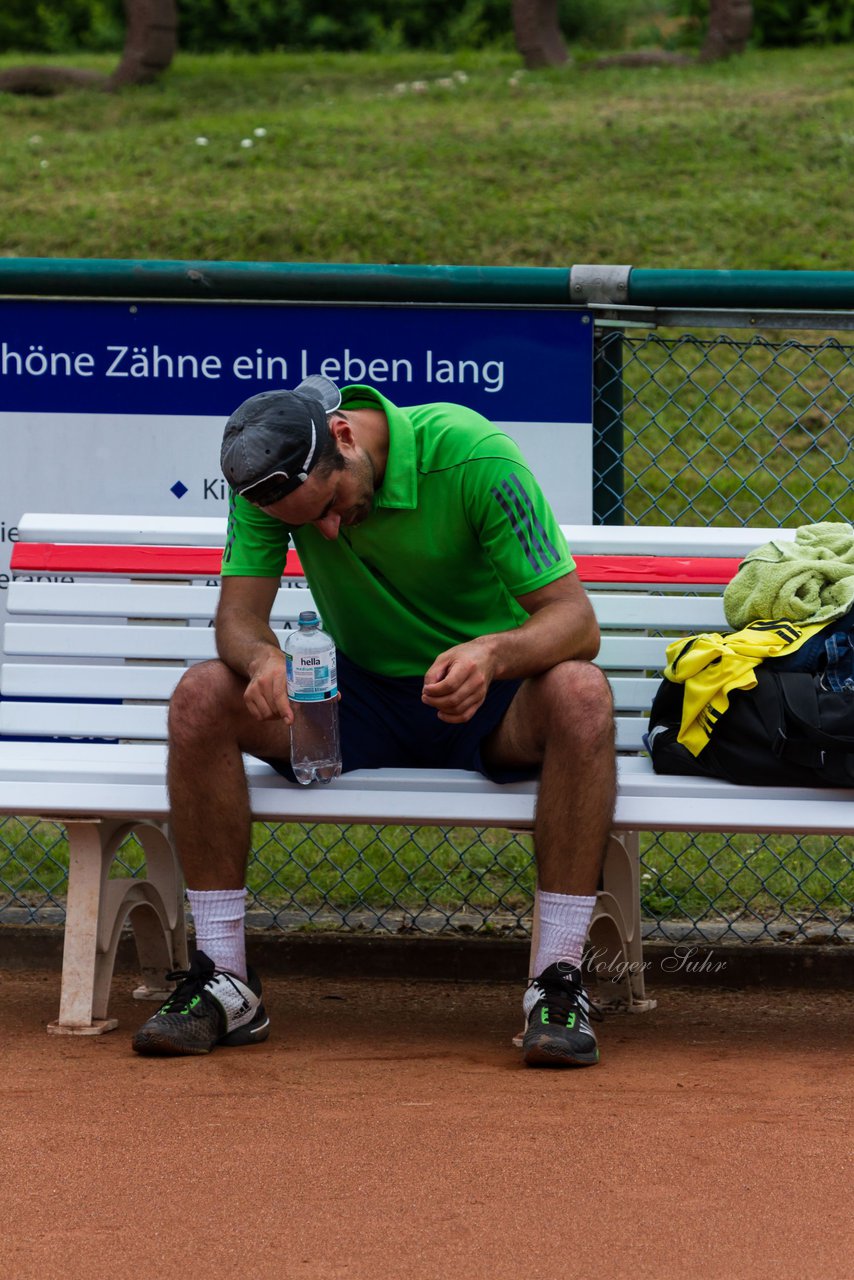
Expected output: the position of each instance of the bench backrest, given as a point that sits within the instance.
(114, 642)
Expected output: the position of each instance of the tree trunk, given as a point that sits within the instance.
(151, 42)
(538, 34)
(150, 45)
(730, 27)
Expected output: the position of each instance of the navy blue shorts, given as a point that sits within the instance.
(384, 724)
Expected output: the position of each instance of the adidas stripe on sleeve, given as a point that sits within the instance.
(515, 524)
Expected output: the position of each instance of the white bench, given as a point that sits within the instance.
(117, 638)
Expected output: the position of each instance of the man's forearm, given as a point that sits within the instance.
(555, 633)
(241, 638)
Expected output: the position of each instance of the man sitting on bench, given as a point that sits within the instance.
(465, 640)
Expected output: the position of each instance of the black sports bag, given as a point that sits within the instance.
(787, 731)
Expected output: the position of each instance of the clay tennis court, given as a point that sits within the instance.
(387, 1129)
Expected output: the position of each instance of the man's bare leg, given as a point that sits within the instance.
(563, 722)
(218, 1000)
(209, 729)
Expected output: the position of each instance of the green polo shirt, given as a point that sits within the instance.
(459, 528)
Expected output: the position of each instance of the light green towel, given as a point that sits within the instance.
(808, 580)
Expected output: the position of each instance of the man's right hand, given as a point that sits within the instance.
(246, 643)
(266, 694)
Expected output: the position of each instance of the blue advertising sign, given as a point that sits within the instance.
(206, 358)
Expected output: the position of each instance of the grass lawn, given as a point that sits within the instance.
(420, 158)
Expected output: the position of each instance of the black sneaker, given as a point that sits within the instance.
(208, 1007)
(558, 1031)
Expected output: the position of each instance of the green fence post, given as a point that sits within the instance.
(608, 469)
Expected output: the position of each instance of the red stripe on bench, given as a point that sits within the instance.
(204, 562)
(70, 558)
(604, 568)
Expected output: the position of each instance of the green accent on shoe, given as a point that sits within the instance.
(545, 1017)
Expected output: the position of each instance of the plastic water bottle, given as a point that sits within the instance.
(313, 692)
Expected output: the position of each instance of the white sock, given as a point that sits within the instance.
(218, 915)
(564, 922)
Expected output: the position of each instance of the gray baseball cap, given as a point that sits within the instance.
(272, 441)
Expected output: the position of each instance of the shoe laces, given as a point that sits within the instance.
(566, 998)
(187, 996)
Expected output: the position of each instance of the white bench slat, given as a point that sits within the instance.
(89, 599)
(34, 639)
(144, 762)
(130, 720)
(173, 600)
(685, 614)
(135, 600)
(633, 653)
(630, 731)
(30, 680)
(633, 693)
(671, 540)
(98, 756)
(51, 640)
(736, 810)
(46, 639)
(186, 531)
(83, 720)
(646, 806)
(205, 531)
(413, 808)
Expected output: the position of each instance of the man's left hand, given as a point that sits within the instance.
(457, 682)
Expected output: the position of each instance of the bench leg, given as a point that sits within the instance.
(79, 954)
(160, 950)
(615, 950)
(97, 910)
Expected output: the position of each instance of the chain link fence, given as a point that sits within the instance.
(725, 430)
(700, 427)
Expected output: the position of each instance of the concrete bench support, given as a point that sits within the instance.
(96, 913)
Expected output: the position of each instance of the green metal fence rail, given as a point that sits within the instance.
(579, 285)
(720, 398)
